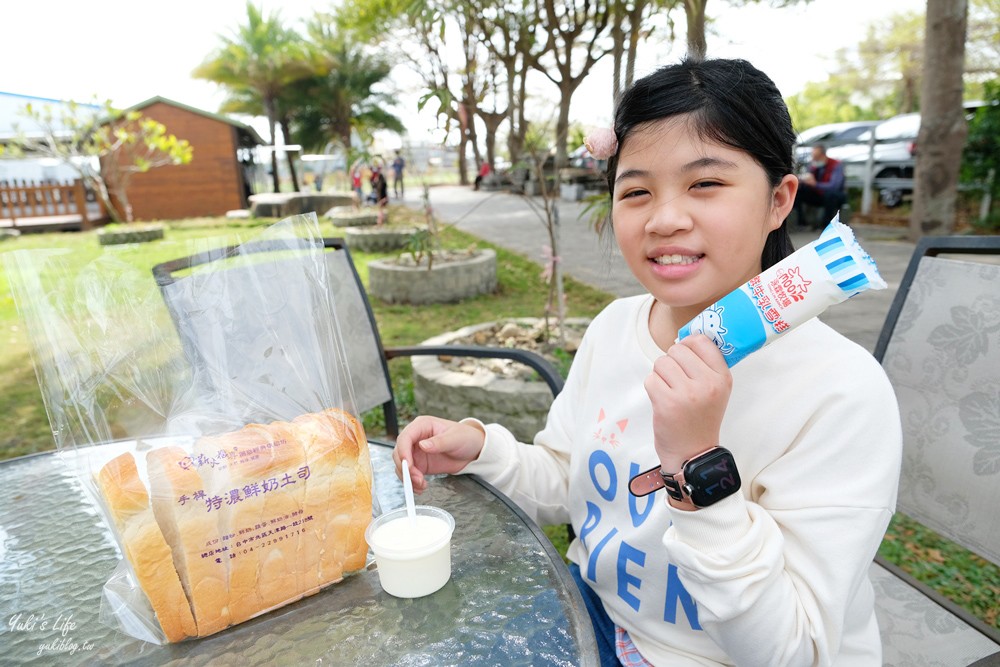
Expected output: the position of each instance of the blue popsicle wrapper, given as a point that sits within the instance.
(831, 269)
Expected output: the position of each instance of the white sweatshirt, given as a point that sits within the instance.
(774, 575)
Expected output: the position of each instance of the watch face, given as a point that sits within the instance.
(711, 478)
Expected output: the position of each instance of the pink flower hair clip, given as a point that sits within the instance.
(602, 143)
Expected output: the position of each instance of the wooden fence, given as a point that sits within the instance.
(47, 201)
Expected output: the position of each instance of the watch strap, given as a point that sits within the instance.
(646, 483)
(674, 483)
(655, 479)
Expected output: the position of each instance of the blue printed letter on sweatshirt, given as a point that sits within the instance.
(677, 593)
(593, 518)
(600, 458)
(626, 553)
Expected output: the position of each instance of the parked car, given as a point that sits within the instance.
(895, 147)
(894, 155)
(831, 134)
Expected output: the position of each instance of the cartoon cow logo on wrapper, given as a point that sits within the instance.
(709, 322)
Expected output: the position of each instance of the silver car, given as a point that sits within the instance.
(894, 155)
(895, 147)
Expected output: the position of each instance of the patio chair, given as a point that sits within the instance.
(940, 347)
(367, 357)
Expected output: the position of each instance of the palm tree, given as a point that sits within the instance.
(343, 95)
(257, 64)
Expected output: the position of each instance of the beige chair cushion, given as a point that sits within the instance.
(944, 362)
(364, 358)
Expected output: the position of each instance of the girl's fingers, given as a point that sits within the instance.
(706, 350)
(669, 371)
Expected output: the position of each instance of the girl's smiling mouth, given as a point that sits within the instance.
(676, 260)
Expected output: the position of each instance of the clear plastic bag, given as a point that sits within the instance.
(211, 420)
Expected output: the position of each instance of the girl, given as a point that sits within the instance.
(775, 572)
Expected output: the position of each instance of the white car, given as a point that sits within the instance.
(829, 135)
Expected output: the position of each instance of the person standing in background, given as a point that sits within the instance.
(484, 171)
(397, 174)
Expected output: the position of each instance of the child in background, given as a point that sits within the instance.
(772, 571)
(356, 184)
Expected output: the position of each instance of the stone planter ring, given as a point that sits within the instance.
(131, 233)
(348, 216)
(447, 281)
(378, 239)
(521, 405)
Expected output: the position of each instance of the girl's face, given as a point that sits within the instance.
(691, 216)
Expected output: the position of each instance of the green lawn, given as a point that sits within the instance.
(967, 579)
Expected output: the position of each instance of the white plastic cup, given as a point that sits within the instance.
(413, 560)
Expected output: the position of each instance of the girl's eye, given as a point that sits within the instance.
(705, 184)
(634, 193)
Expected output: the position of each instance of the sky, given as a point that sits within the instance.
(130, 50)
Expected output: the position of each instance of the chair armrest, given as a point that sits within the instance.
(537, 362)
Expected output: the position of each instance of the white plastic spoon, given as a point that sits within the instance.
(411, 510)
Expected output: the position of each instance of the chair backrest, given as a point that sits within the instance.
(261, 368)
(940, 347)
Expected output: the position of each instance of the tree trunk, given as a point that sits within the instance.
(344, 134)
(618, 49)
(695, 12)
(513, 147)
(466, 134)
(492, 121)
(473, 137)
(566, 90)
(101, 190)
(272, 124)
(522, 114)
(942, 120)
(289, 155)
(463, 161)
(635, 20)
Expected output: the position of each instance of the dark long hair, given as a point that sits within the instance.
(730, 102)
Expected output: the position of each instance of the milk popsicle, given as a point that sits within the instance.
(831, 269)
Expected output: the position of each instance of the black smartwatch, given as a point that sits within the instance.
(703, 480)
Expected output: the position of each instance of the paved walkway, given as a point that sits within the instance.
(509, 221)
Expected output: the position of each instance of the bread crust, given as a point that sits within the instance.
(145, 547)
(189, 529)
(336, 447)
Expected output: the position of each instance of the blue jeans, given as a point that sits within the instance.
(604, 627)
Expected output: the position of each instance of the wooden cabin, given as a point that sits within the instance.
(216, 180)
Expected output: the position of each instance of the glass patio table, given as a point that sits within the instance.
(510, 600)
